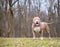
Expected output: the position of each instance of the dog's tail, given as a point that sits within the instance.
(51, 23)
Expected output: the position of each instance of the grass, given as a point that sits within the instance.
(29, 42)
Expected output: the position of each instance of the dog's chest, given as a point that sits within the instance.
(37, 29)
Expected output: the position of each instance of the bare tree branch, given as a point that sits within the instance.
(14, 2)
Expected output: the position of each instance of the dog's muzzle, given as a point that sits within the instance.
(37, 24)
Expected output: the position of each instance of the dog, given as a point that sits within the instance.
(39, 27)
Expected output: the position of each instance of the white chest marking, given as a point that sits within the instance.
(37, 29)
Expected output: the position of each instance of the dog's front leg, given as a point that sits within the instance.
(41, 35)
(33, 34)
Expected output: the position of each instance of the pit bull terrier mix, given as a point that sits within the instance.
(39, 27)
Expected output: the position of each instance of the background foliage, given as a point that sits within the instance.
(16, 16)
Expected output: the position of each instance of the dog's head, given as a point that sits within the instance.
(36, 20)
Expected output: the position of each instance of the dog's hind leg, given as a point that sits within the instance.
(48, 30)
(49, 34)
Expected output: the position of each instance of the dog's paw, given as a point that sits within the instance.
(33, 37)
(41, 38)
(49, 37)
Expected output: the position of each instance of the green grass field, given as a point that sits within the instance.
(29, 42)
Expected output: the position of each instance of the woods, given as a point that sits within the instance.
(16, 16)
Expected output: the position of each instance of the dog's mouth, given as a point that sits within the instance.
(37, 24)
